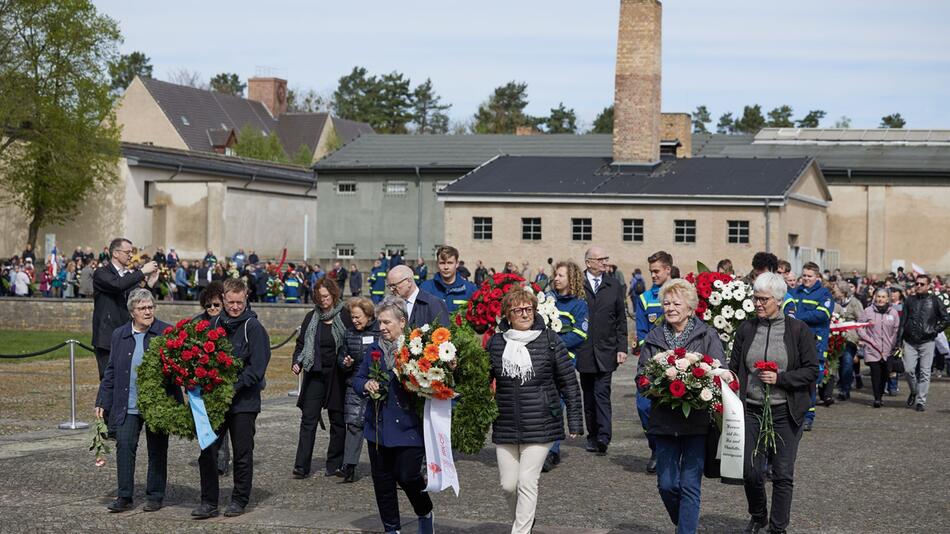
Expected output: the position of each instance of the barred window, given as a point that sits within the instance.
(738, 231)
(581, 229)
(481, 228)
(632, 230)
(346, 188)
(345, 251)
(531, 228)
(397, 188)
(684, 231)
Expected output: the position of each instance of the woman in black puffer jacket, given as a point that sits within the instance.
(532, 372)
(363, 333)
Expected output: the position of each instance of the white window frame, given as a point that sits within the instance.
(345, 251)
(339, 186)
(390, 189)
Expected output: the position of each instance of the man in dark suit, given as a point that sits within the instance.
(111, 285)
(422, 308)
(604, 349)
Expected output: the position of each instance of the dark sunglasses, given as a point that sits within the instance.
(212, 305)
(921, 284)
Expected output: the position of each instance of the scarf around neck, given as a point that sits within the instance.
(390, 349)
(339, 333)
(674, 340)
(516, 360)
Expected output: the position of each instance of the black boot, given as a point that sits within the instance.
(349, 473)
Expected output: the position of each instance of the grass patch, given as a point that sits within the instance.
(25, 341)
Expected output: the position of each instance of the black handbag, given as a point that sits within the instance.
(895, 365)
(711, 463)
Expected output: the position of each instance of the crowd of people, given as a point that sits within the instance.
(541, 377)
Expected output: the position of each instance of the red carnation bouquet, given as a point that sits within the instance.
(685, 380)
(767, 435)
(194, 355)
(484, 308)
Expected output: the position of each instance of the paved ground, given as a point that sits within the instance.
(860, 470)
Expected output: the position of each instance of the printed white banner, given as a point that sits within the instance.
(437, 427)
(732, 440)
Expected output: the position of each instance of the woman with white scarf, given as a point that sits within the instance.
(533, 371)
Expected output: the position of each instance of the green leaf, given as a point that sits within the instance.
(701, 268)
(686, 409)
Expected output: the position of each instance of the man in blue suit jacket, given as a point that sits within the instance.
(423, 308)
(118, 394)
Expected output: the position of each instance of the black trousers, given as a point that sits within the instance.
(879, 376)
(398, 465)
(126, 446)
(102, 361)
(597, 412)
(311, 404)
(241, 427)
(782, 462)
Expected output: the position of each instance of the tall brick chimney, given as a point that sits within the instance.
(272, 92)
(637, 84)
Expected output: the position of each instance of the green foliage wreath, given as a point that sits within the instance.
(476, 408)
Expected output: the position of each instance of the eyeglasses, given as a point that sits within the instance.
(395, 285)
(761, 300)
(527, 310)
(921, 284)
(213, 305)
(126, 252)
(144, 308)
(605, 259)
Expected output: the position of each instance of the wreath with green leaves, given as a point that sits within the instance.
(475, 410)
(193, 356)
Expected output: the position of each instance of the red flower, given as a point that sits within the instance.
(496, 293)
(179, 381)
(202, 326)
(168, 330)
(677, 388)
(766, 366)
(208, 388)
(707, 359)
(698, 372)
(458, 319)
(182, 334)
(212, 374)
(216, 380)
(734, 385)
(208, 346)
(181, 323)
(717, 381)
(220, 331)
(192, 384)
(201, 372)
(679, 352)
(643, 381)
(170, 344)
(671, 359)
(718, 407)
(186, 355)
(495, 307)
(165, 370)
(376, 355)
(212, 335)
(204, 359)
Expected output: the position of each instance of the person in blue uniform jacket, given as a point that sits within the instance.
(447, 285)
(568, 292)
(813, 305)
(377, 282)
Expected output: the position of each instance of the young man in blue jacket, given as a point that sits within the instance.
(813, 305)
(447, 285)
(648, 311)
(377, 282)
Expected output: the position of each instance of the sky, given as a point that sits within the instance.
(861, 59)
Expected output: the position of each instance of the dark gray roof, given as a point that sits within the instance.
(216, 164)
(383, 151)
(295, 129)
(693, 177)
(348, 130)
(196, 111)
(219, 137)
(709, 144)
(903, 158)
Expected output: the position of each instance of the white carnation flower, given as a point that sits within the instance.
(425, 328)
(705, 395)
(715, 298)
(670, 372)
(707, 315)
(748, 306)
(719, 322)
(446, 351)
(717, 284)
(724, 337)
(740, 315)
(728, 312)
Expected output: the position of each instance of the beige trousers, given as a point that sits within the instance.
(519, 467)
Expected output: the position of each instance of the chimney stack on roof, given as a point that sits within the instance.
(272, 92)
(637, 84)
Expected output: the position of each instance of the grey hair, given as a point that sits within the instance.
(844, 288)
(684, 289)
(771, 283)
(884, 290)
(137, 296)
(394, 305)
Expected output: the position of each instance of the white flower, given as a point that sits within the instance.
(541, 298)
(425, 328)
(740, 315)
(556, 325)
(748, 306)
(724, 337)
(436, 373)
(728, 312)
(716, 364)
(660, 358)
(738, 294)
(729, 328)
(682, 364)
(727, 294)
(715, 298)
(415, 346)
(717, 284)
(705, 395)
(705, 366)
(719, 322)
(446, 351)
(670, 372)
(692, 357)
(707, 315)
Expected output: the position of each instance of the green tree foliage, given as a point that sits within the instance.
(604, 122)
(355, 96)
(701, 118)
(561, 121)
(428, 111)
(394, 107)
(123, 70)
(252, 143)
(503, 112)
(303, 156)
(62, 141)
(726, 124)
(843, 122)
(751, 121)
(780, 117)
(228, 83)
(893, 120)
(812, 119)
(306, 101)
(385, 102)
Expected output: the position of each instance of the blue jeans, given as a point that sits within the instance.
(846, 368)
(644, 405)
(679, 477)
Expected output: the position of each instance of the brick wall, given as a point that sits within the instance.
(75, 315)
(272, 92)
(678, 126)
(637, 83)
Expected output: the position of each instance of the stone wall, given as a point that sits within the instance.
(75, 315)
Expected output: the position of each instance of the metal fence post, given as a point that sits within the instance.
(72, 424)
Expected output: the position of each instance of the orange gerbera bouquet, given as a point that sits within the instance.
(426, 361)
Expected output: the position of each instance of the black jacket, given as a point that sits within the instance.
(922, 319)
(607, 334)
(252, 345)
(665, 420)
(531, 412)
(800, 373)
(333, 383)
(357, 342)
(427, 309)
(110, 310)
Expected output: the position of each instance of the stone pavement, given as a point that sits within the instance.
(860, 470)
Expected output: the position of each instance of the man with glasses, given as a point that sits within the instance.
(111, 285)
(924, 318)
(421, 307)
(604, 349)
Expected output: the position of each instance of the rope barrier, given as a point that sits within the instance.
(32, 354)
(284, 342)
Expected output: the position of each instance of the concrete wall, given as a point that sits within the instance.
(75, 315)
(267, 222)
